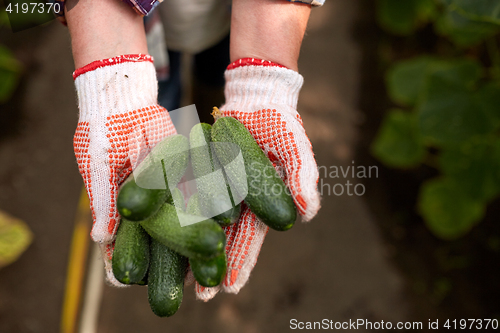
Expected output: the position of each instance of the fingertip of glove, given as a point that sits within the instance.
(189, 279)
(312, 208)
(106, 258)
(104, 232)
(206, 294)
(236, 279)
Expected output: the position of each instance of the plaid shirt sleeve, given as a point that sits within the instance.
(144, 7)
(310, 2)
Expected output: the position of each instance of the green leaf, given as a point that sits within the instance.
(449, 112)
(475, 166)
(15, 237)
(448, 212)
(398, 143)
(404, 17)
(480, 10)
(406, 79)
(488, 99)
(20, 19)
(10, 70)
(464, 31)
(4, 19)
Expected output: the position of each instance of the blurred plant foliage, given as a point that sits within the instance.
(15, 238)
(10, 67)
(448, 113)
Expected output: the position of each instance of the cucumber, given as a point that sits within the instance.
(131, 254)
(144, 281)
(177, 199)
(146, 189)
(165, 280)
(209, 273)
(193, 205)
(165, 165)
(215, 198)
(267, 197)
(200, 237)
(135, 203)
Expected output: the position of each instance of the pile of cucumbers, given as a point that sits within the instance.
(160, 236)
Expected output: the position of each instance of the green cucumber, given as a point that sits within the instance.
(131, 254)
(144, 281)
(165, 280)
(193, 205)
(199, 237)
(177, 199)
(209, 273)
(267, 197)
(165, 164)
(135, 203)
(215, 198)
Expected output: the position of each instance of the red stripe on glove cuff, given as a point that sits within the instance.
(253, 62)
(112, 61)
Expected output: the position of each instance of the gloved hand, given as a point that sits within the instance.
(263, 96)
(120, 121)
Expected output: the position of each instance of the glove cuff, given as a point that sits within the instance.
(116, 85)
(259, 82)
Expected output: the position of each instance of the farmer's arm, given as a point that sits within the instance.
(268, 29)
(103, 29)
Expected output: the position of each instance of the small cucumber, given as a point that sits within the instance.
(145, 190)
(267, 197)
(177, 199)
(131, 254)
(135, 203)
(198, 238)
(165, 164)
(209, 273)
(165, 280)
(215, 197)
(193, 205)
(144, 281)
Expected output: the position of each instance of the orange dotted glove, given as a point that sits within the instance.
(119, 123)
(263, 96)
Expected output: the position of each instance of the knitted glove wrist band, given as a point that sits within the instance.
(252, 82)
(116, 85)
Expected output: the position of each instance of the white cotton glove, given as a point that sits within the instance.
(263, 96)
(120, 121)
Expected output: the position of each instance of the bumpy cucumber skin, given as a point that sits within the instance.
(177, 199)
(168, 160)
(165, 280)
(268, 197)
(131, 254)
(204, 162)
(136, 203)
(230, 216)
(203, 240)
(209, 273)
(193, 205)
